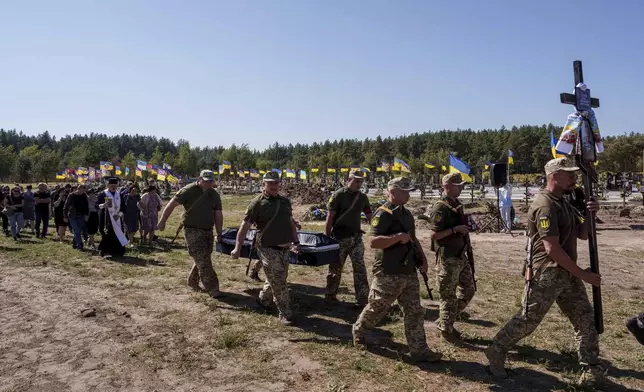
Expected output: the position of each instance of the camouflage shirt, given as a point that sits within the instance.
(399, 258)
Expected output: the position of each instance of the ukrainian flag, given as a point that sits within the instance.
(458, 166)
(226, 165)
(330, 170)
(141, 165)
(429, 166)
(302, 175)
(315, 170)
(290, 173)
(510, 157)
(487, 165)
(553, 146)
(400, 165)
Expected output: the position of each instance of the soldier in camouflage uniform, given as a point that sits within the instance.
(449, 235)
(343, 224)
(397, 255)
(552, 274)
(203, 211)
(277, 233)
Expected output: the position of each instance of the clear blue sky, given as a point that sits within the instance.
(256, 72)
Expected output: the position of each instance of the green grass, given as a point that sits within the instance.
(190, 334)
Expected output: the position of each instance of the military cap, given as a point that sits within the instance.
(207, 175)
(453, 179)
(359, 174)
(400, 183)
(271, 176)
(560, 164)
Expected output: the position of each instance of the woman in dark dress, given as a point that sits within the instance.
(59, 208)
(132, 212)
(92, 222)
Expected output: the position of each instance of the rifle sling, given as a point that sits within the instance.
(258, 238)
(345, 213)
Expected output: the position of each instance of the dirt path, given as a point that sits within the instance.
(150, 333)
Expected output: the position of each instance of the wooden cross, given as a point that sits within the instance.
(582, 101)
(585, 157)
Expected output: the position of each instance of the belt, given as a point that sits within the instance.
(276, 247)
(197, 228)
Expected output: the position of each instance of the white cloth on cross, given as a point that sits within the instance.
(574, 123)
(115, 214)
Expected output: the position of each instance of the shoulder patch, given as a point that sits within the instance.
(375, 220)
(438, 215)
(544, 222)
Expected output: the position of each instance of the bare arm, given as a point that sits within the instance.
(294, 230)
(385, 241)
(437, 236)
(219, 221)
(168, 210)
(559, 256)
(241, 234)
(329, 222)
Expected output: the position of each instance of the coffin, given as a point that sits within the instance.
(229, 238)
(315, 248)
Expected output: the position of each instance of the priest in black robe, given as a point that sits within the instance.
(112, 208)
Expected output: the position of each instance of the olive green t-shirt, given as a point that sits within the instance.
(399, 258)
(552, 216)
(200, 210)
(261, 210)
(339, 204)
(447, 214)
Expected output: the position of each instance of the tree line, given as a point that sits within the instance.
(38, 158)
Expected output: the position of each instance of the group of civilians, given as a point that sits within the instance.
(75, 207)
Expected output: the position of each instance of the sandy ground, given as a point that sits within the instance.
(150, 333)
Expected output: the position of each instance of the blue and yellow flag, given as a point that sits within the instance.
(330, 170)
(487, 165)
(142, 165)
(553, 146)
(302, 175)
(226, 165)
(510, 157)
(290, 173)
(400, 165)
(458, 166)
(430, 166)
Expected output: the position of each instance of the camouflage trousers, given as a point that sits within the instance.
(385, 289)
(554, 284)
(452, 274)
(200, 243)
(352, 247)
(256, 267)
(275, 263)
